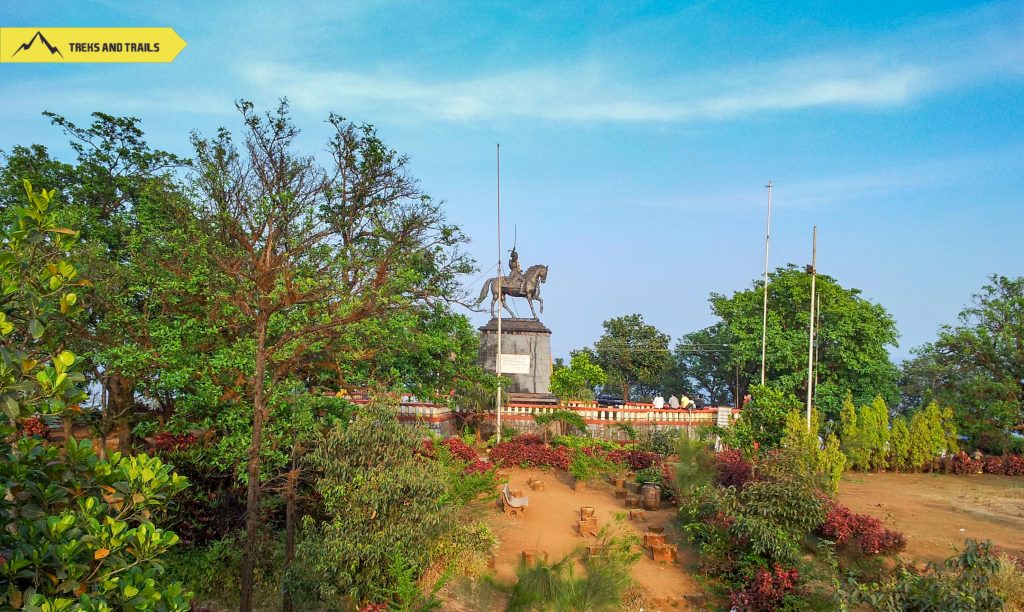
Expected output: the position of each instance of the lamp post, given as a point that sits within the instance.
(810, 342)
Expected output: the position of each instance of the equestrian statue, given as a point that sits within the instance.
(516, 284)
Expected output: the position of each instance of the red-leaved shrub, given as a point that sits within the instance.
(34, 426)
(766, 591)
(1014, 465)
(537, 455)
(460, 449)
(962, 463)
(528, 438)
(478, 466)
(868, 534)
(993, 465)
(635, 460)
(732, 470)
(166, 441)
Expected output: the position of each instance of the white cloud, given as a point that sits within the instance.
(567, 95)
(887, 72)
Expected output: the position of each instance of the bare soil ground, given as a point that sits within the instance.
(549, 524)
(937, 512)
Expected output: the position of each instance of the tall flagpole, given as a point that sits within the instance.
(497, 360)
(810, 344)
(764, 321)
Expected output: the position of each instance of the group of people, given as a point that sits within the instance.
(675, 403)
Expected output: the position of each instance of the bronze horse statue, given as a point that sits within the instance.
(529, 289)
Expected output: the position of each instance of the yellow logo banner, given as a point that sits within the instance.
(89, 44)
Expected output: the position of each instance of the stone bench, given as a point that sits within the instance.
(513, 505)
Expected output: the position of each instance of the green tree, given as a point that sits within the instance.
(380, 498)
(78, 532)
(86, 538)
(932, 433)
(39, 284)
(853, 443)
(301, 257)
(632, 352)
(825, 461)
(899, 445)
(763, 421)
(977, 366)
(853, 336)
(115, 181)
(577, 382)
(874, 426)
(701, 362)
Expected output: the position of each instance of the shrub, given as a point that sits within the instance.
(650, 474)
(993, 465)
(1014, 465)
(75, 524)
(166, 441)
(931, 433)
(656, 440)
(380, 500)
(567, 421)
(826, 463)
(966, 581)
(732, 470)
(696, 465)
(583, 442)
(478, 466)
(526, 438)
(766, 591)
(1009, 582)
(466, 549)
(899, 445)
(962, 463)
(585, 467)
(868, 534)
(461, 450)
(529, 454)
(763, 420)
(554, 586)
(34, 426)
(635, 460)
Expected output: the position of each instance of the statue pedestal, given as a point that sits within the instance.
(526, 346)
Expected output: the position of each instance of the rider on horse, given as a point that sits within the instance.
(515, 276)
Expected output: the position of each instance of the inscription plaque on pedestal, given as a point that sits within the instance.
(515, 364)
(526, 353)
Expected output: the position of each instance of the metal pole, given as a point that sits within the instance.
(810, 343)
(764, 321)
(497, 359)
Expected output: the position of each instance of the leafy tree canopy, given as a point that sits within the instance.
(977, 366)
(702, 363)
(631, 352)
(853, 336)
(577, 381)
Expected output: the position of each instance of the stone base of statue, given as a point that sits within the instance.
(526, 357)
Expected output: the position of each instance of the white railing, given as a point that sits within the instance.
(640, 414)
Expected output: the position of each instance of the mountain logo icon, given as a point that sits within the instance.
(39, 36)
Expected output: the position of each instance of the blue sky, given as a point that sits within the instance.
(636, 137)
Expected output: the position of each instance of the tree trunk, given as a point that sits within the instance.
(253, 467)
(289, 531)
(120, 405)
(124, 436)
(625, 391)
(69, 427)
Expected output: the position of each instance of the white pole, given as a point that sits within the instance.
(764, 321)
(497, 359)
(810, 343)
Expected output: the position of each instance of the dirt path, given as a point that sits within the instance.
(937, 512)
(550, 524)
